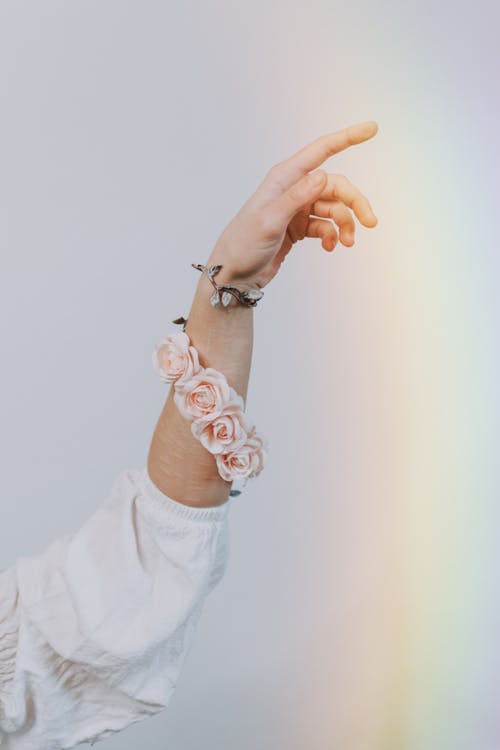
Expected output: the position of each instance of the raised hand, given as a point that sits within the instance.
(295, 200)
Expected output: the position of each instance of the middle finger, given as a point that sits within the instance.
(339, 187)
(340, 214)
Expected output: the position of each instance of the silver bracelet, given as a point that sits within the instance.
(222, 294)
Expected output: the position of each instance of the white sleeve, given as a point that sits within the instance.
(94, 631)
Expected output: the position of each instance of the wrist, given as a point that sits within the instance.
(228, 276)
(227, 289)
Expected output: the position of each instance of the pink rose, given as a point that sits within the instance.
(203, 396)
(245, 461)
(174, 359)
(228, 430)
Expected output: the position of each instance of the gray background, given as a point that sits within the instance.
(131, 132)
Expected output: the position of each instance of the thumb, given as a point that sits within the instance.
(301, 194)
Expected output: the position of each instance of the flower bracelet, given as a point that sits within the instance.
(214, 408)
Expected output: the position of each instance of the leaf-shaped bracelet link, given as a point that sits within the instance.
(222, 294)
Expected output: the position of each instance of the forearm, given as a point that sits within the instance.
(292, 202)
(178, 463)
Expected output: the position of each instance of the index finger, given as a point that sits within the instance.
(314, 154)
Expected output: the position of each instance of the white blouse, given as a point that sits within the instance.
(95, 630)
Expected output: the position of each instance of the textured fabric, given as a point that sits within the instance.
(94, 631)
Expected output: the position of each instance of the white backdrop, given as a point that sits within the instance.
(131, 132)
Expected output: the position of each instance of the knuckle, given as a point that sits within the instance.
(334, 210)
(295, 193)
(350, 134)
(340, 183)
(275, 171)
(276, 176)
(268, 224)
(323, 141)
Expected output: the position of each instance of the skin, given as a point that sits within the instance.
(296, 199)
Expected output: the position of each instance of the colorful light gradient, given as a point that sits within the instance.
(361, 608)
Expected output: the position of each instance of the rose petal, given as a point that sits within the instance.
(174, 359)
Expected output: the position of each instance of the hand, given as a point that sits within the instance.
(292, 203)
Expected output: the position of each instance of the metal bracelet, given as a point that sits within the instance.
(222, 294)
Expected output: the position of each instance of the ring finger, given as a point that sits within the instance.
(340, 214)
(325, 230)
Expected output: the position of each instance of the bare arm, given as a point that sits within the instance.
(291, 203)
(223, 336)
